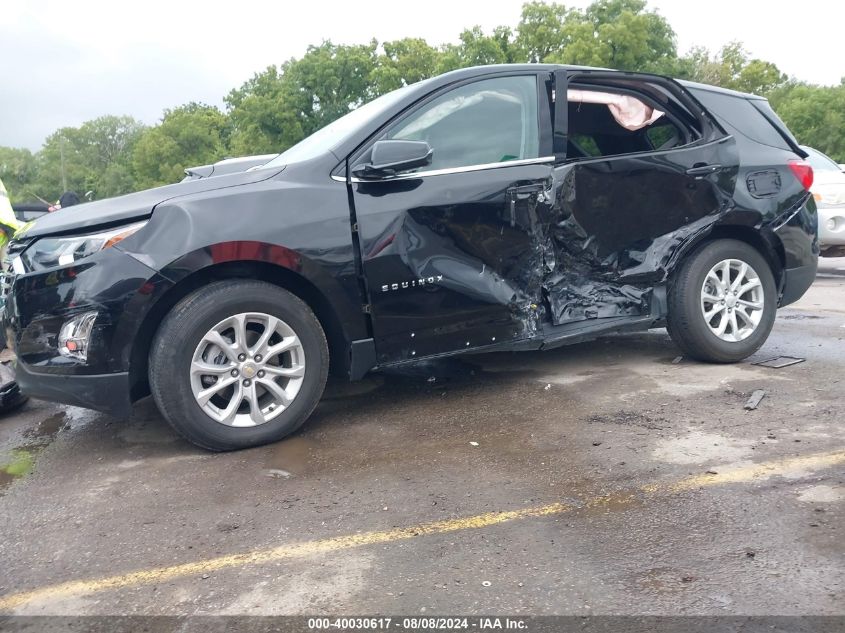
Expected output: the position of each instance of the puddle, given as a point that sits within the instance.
(47, 429)
(20, 461)
(292, 456)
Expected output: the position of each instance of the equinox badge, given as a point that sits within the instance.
(422, 281)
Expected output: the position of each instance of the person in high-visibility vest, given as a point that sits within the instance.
(9, 224)
(10, 394)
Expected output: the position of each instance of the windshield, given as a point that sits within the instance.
(820, 162)
(322, 140)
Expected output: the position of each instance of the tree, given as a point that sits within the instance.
(476, 49)
(17, 171)
(540, 33)
(94, 157)
(403, 62)
(814, 114)
(261, 121)
(192, 134)
(280, 106)
(731, 68)
(618, 34)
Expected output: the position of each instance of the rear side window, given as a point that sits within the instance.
(766, 109)
(741, 115)
(603, 122)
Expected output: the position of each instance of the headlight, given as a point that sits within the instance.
(50, 252)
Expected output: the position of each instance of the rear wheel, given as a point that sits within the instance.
(238, 363)
(722, 302)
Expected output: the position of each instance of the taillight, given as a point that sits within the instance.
(803, 171)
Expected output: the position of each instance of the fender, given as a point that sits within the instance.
(748, 227)
(345, 306)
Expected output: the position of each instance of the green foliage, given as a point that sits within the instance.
(190, 135)
(17, 171)
(541, 34)
(815, 114)
(731, 68)
(477, 49)
(93, 157)
(282, 104)
(403, 62)
(260, 121)
(617, 34)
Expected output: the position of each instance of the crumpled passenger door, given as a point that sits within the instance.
(616, 221)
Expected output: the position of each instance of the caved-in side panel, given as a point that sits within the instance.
(616, 222)
(453, 261)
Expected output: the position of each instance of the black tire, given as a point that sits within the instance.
(182, 330)
(686, 323)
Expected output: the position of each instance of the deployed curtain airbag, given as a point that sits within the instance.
(629, 112)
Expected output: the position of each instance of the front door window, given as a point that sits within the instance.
(489, 121)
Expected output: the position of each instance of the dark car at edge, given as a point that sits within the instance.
(515, 207)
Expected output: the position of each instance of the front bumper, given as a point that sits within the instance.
(116, 286)
(108, 393)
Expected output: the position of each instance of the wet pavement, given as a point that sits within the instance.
(603, 478)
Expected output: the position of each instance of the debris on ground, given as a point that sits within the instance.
(473, 443)
(779, 362)
(677, 360)
(548, 386)
(755, 399)
(278, 473)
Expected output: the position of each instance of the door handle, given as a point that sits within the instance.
(520, 192)
(524, 189)
(700, 169)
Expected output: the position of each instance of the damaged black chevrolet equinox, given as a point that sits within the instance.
(515, 207)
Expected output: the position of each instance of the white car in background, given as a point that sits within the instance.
(829, 191)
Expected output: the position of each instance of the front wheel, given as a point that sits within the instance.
(238, 363)
(722, 302)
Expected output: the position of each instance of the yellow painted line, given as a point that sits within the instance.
(743, 474)
(795, 465)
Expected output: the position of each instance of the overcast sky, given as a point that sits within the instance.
(62, 63)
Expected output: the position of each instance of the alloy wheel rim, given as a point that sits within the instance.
(732, 300)
(247, 369)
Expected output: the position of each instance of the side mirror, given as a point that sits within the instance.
(388, 158)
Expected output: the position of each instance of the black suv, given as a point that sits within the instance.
(515, 207)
